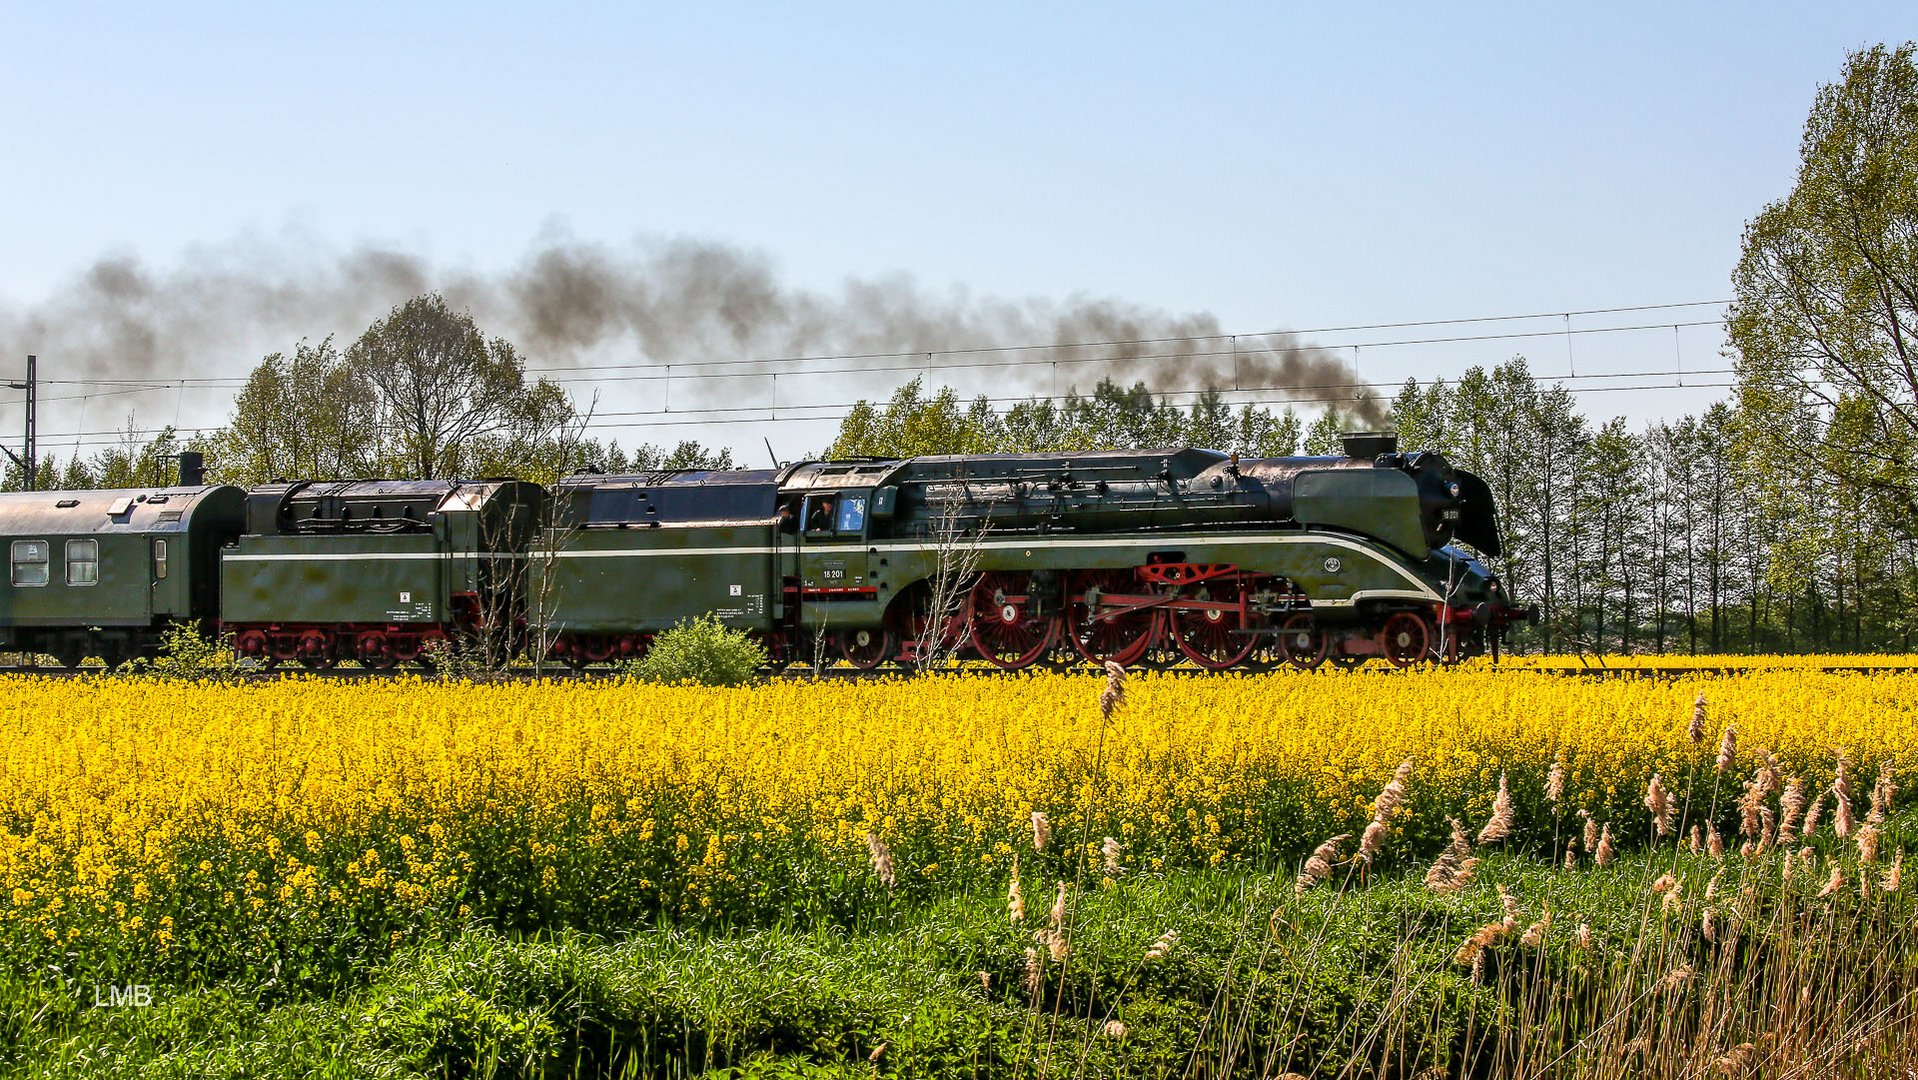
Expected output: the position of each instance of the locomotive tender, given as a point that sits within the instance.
(1018, 559)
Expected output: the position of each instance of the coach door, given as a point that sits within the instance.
(833, 559)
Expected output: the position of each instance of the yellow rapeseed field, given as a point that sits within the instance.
(142, 818)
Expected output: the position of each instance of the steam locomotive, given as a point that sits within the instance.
(1141, 557)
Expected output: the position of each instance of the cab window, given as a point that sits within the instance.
(30, 562)
(852, 514)
(83, 562)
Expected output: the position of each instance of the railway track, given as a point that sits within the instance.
(797, 671)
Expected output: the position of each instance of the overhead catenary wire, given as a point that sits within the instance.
(823, 412)
(929, 355)
(1011, 356)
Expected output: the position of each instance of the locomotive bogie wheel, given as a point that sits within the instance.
(1211, 637)
(866, 649)
(1005, 632)
(1122, 636)
(1303, 642)
(1408, 639)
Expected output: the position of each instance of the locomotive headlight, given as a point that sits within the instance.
(1452, 489)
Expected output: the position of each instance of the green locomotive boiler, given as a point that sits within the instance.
(1131, 556)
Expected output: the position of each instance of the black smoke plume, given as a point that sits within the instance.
(678, 301)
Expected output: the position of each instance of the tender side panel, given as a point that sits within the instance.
(647, 579)
(333, 579)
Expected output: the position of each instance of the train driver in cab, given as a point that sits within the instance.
(819, 515)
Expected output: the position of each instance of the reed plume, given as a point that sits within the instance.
(1392, 796)
(1791, 806)
(1811, 816)
(1500, 825)
(1836, 882)
(1555, 782)
(1867, 840)
(1727, 748)
(881, 859)
(1391, 799)
(1534, 935)
(1841, 819)
(1468, 954)
(1698, 719)
(1113, 696)
(1371, 840)
(1659, 802)
(1163, 946)
(1455, 865)
(1751, 805)
(1882, 794)
(1318, 866)
(1605, 852)
(1675, 979)
(1041, 831)
(1015, 897)
(1110, 851)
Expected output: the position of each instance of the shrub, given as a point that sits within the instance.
(701, 651)
(189, 652)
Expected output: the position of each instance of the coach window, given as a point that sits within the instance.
(159, 558)
(83, 562)
(852, 514)
(30, 562)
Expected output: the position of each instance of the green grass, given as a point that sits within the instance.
(1260, 983)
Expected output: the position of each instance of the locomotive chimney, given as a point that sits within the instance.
(192, 468)
(1369, 444)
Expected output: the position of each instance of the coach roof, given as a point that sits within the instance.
(161, 509)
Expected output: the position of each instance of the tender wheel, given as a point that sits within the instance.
(1408, 639)
(374, 651)
(1100, 633)
(598, 649)
(866, 649)
(1303, 642)
(1004, 629)
(1211, 637)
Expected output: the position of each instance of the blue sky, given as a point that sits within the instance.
(1277, 167)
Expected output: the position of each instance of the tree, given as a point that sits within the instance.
(441, 383)
(912, 424)
(311, 415)
(1826, 315)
